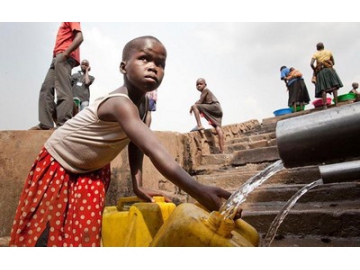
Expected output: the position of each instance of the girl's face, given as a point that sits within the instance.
(145, 68)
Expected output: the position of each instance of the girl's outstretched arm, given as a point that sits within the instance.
(127, 115)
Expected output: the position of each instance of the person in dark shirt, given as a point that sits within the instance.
(81, 82)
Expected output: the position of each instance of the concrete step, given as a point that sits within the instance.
(233, 178)
(311, 241)
(262, 152)
(213, 163)
(323, 219)
(257, 155)
(249, 137)
(333, 193)
(246, 145)
(218, 159)
(261, 129)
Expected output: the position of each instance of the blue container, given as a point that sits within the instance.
(282, 111)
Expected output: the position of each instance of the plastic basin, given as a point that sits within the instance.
(282, 111)
(346, 97)
(318, 102)
(298, 108)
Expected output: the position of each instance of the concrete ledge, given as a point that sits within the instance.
(328, 221)
(256, 155)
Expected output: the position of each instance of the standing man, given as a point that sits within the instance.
(81, 82)
(66, 56)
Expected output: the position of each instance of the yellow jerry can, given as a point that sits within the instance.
(134, 226)
(192, 226)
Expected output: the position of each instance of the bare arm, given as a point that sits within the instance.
(127, 115)
(200, 101)
(286, 83)
(136, 161)
(312, 64)
(202, 97)
(87, 80)
(332, 60)
(136, 157)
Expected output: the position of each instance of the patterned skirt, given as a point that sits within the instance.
(67, 206)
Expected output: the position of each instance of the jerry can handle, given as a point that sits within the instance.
(121, 203)
(123, 200)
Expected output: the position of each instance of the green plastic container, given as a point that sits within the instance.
(298, 108)
(346, 97)
(77, 101)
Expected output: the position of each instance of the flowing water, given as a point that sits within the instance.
(229, 208)
(285, 210)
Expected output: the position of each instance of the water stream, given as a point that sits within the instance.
(285, 210)
(229, 208)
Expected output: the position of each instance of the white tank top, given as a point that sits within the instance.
(85, 143)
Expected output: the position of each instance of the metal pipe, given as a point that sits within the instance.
(320, 138)
(340, 172)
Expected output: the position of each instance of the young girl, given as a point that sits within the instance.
(63, 197)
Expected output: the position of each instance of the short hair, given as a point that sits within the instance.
(355, 84)
(282, 68)
(134, 44)
(320, 46)
(201, 79)
(85, 60)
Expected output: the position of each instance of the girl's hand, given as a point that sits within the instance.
(212, 197)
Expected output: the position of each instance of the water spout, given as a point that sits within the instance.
(340, 172)
(229, 208)
(285, 211)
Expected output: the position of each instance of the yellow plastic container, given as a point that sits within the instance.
(192, 226)
(135, 226)
(247, 231)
